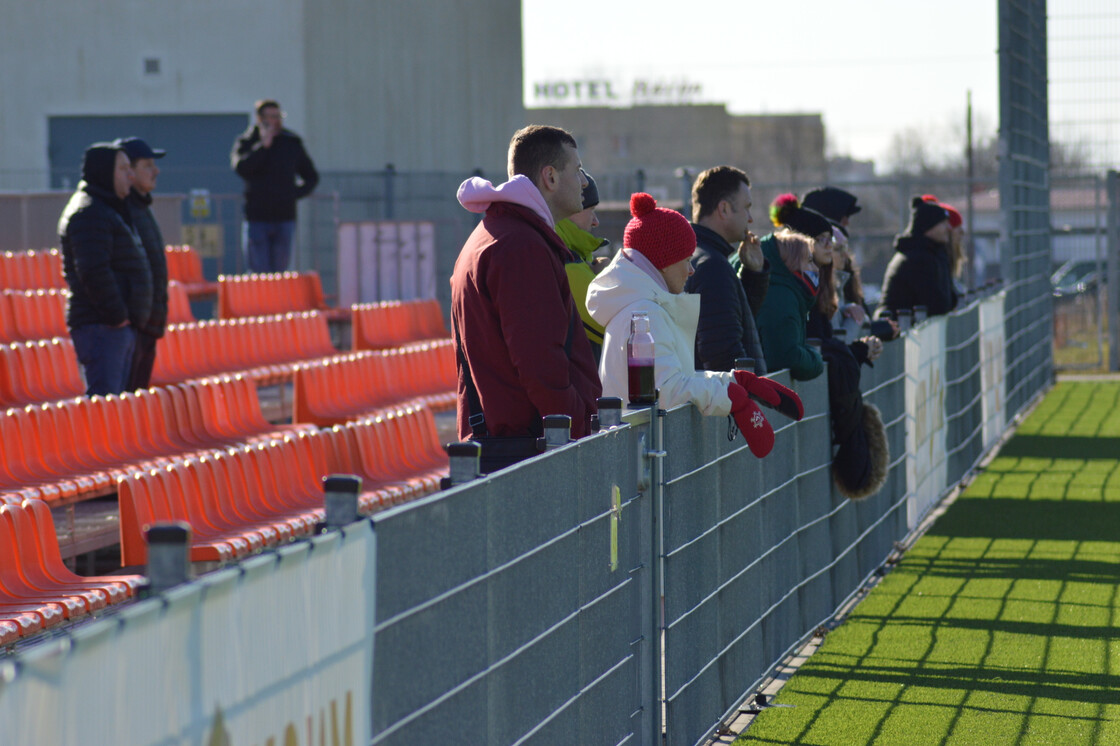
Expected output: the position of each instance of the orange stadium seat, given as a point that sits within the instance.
(184, 265)
(264, 294)
(38, 314)
(265, 349)
(332, 391)
(379, 326)
(43, 370)
(31, 270)
(178, 304)
(77, 448)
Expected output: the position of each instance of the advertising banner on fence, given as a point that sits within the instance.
(925, 437)
(992, 366)
(276, 650)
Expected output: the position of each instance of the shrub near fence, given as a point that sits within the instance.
(526, 607)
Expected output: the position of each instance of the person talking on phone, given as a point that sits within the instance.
(277, 172)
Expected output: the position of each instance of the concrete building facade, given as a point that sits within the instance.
(365, 83)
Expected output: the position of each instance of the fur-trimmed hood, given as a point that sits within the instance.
(878, 453)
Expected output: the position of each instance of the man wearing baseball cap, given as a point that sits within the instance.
(139, 201)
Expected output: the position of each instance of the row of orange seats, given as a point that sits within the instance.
(392, 323)
(40, 371)
(35, 270)
(77, 448)
(265, 348)
(37, 591)
(346, 387)
(41, 314)
(185, 265)
(264, 294)
(242, 500)
(31, 270)
(33, 314)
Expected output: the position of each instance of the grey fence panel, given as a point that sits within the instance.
(1025, 198)
(964, 419)
(881, 518)
(742, 536)
(508, 621)
(816, 499)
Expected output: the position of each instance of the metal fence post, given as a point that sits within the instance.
(340, 499)
(390, 173)
(464, 462)
(169, 555)
(1114, 270)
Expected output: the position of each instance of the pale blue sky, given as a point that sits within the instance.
(871, 67)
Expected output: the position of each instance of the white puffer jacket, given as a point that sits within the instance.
(623, 289)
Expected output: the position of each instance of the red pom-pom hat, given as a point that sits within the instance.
(663, 236)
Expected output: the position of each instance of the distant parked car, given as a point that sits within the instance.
(1075, 277)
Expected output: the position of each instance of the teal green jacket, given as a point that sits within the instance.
(782, 320)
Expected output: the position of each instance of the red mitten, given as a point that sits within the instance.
(750, 421)
(771, 393)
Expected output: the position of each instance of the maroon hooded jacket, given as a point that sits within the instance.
(512, 306)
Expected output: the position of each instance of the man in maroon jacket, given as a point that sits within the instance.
(513, 316)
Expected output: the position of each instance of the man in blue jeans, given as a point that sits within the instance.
(107, 271)
(277, 171)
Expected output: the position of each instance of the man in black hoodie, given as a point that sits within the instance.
(270, 158)
(105, 267)
(920, 272)
(139, 200)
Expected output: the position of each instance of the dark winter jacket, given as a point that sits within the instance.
(862, 458)
(820, 327)
(140, 209)
(270, 175)
(783, 318)
(729, 303)
(512, 312)
(919, 274)
(102, 259)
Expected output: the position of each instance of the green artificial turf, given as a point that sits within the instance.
(1002, 624)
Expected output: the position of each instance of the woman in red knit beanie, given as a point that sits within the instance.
(648, 276)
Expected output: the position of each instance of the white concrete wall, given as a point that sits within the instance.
(59, 57)
(422, 85)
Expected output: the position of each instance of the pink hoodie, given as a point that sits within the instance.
(477, 194)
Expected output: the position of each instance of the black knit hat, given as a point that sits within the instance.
(924, 215)
(832, 202)
(590, 192)
(98, 164)
(806, 222)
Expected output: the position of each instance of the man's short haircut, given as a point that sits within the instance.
(536, 146)
(264, 103)
(712, 187)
